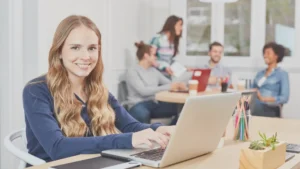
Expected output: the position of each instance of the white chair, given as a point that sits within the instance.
(24, 156)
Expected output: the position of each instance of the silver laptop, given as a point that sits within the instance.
(199, 129)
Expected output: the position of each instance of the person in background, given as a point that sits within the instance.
(218, 70)
(166, 43)
(272, 83)
(143, 82)
(69, 111)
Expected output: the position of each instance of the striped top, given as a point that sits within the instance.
(165, 50)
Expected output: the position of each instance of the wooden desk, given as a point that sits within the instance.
(228, 156)
(177, 97)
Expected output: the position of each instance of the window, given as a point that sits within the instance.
(198, 27)
(280, 23)
(237, 28)
(243, 27)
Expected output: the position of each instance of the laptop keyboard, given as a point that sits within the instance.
(153, 155)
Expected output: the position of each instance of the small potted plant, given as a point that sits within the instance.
(266, 153)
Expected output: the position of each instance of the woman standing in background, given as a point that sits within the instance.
(166, 43)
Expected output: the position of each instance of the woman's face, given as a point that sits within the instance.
(80, 52)
(269, 56)
(178, 27)
(152, 57)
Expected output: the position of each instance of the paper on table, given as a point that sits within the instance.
(178, 69)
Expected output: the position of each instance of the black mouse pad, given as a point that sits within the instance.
(93, 163)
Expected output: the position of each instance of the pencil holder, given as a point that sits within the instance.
(242, 124)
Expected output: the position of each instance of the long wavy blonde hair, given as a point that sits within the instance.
(67, 108)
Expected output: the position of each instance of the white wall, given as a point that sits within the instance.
(30, 39)
(11, 72)
(291, 110)
(3, 52)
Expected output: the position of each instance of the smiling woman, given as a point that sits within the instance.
(80, 54)
(70, 111)
(273, 88)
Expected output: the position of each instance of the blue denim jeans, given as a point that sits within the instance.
(261, 109)
(144, 111)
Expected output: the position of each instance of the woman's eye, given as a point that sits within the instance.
(92, 48)
(75, 48)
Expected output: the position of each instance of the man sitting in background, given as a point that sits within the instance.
(218, 70)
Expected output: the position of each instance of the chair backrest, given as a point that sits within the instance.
(24, 156)
(122, 92)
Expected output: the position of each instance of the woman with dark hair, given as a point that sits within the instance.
(143, 82)
(272, 84)
(166, 43)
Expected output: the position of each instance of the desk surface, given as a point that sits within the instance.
(228, 156)
(177, 97)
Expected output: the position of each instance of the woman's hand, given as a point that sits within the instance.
(174, 86)
(259, 96)
(178, 86)
(148, 135)
(166, 130)
(182, 86)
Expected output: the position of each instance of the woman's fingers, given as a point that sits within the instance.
(148, 135)
(164, 138)
(160, 139)
(148, 143)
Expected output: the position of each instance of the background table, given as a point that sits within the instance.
(177, 97)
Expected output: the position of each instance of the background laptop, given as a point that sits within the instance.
(198, 131)
(202, 75)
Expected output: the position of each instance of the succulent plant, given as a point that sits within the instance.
(264, 142)
(256, 145)
(267, 142)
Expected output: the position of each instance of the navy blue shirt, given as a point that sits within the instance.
(45, 138)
